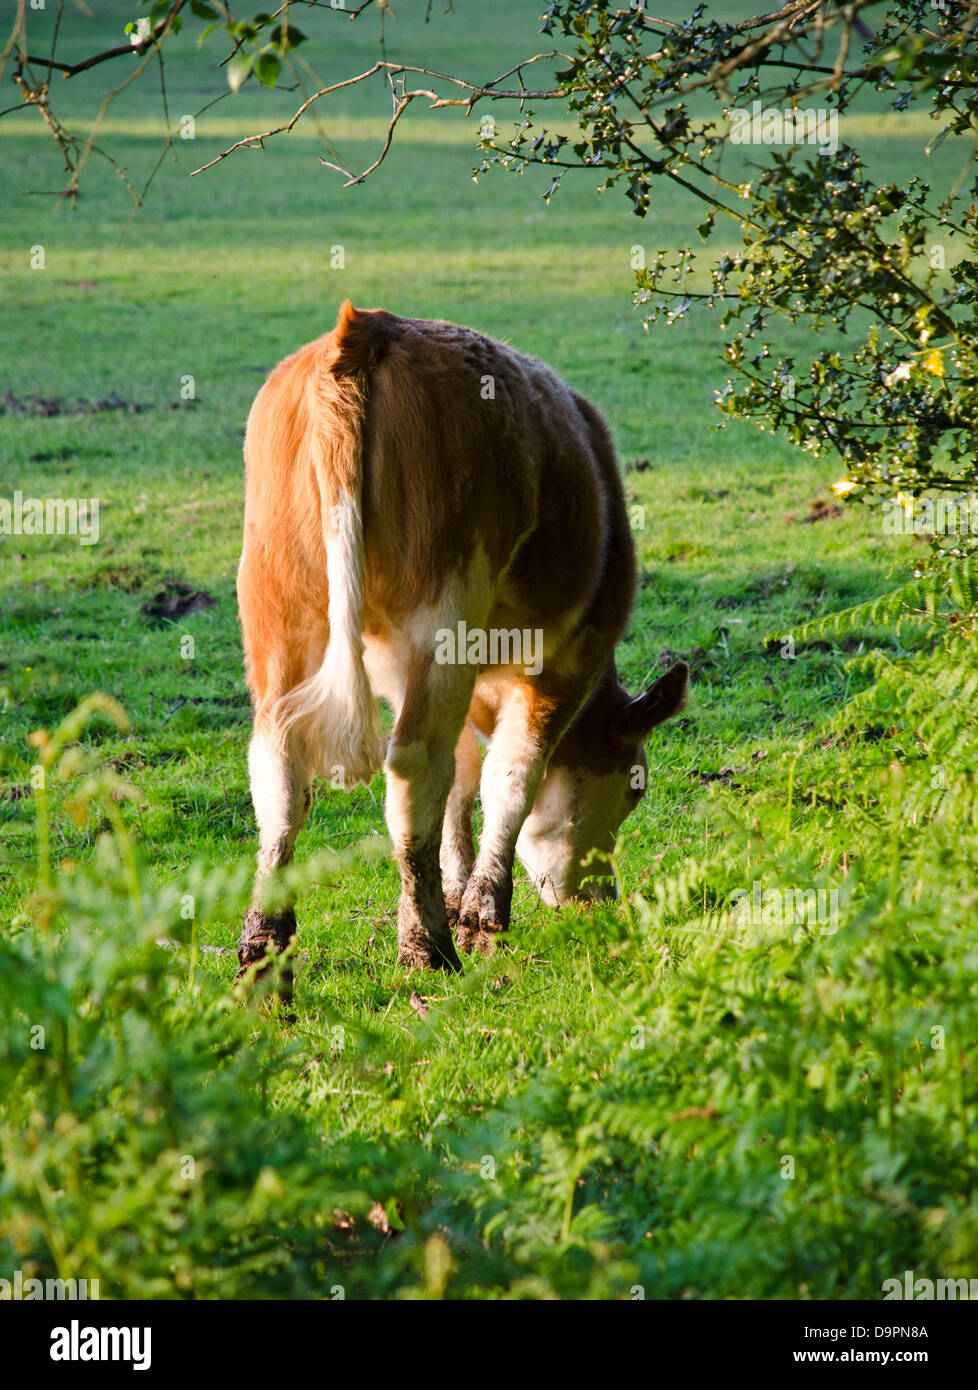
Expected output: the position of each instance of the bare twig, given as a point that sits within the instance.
(72, 69)
(475, 92)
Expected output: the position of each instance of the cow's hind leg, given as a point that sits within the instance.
(280, 766)
(420, 767)
(527, 730)
(284, 644)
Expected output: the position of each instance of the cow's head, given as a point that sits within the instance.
(596, 776)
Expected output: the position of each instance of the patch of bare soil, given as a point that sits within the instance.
(820, 508)
(175, 600)
(49, 407)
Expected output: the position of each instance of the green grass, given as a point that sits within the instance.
(218, 278)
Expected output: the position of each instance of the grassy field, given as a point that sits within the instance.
(217, 278)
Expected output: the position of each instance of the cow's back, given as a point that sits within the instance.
(472, 449)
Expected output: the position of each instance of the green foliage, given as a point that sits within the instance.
(137, 1140)
(760, 1105)
(917, 602)
(824, 243)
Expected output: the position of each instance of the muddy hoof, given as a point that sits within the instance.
(484, 937)
(487, 941)
(466, 936)
(266, 934)
(419, 955)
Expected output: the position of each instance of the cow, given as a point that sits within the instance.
(413, 490)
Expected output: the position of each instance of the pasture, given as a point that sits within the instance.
(623, 1098)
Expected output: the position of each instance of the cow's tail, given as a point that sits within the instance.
(337, 704)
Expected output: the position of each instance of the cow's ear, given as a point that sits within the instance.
(664, 698)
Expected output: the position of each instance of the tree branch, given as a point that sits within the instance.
(476, 92)
(72, 69)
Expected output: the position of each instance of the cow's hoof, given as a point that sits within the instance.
(483, 916)
(423, 955)
(479, 937)
(465, 936)
(264, 935)
(248, 977)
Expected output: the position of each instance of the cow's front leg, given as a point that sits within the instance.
(457, 849)
(420, 774)
(526, 734)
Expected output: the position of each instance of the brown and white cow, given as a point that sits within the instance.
(405, 477)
